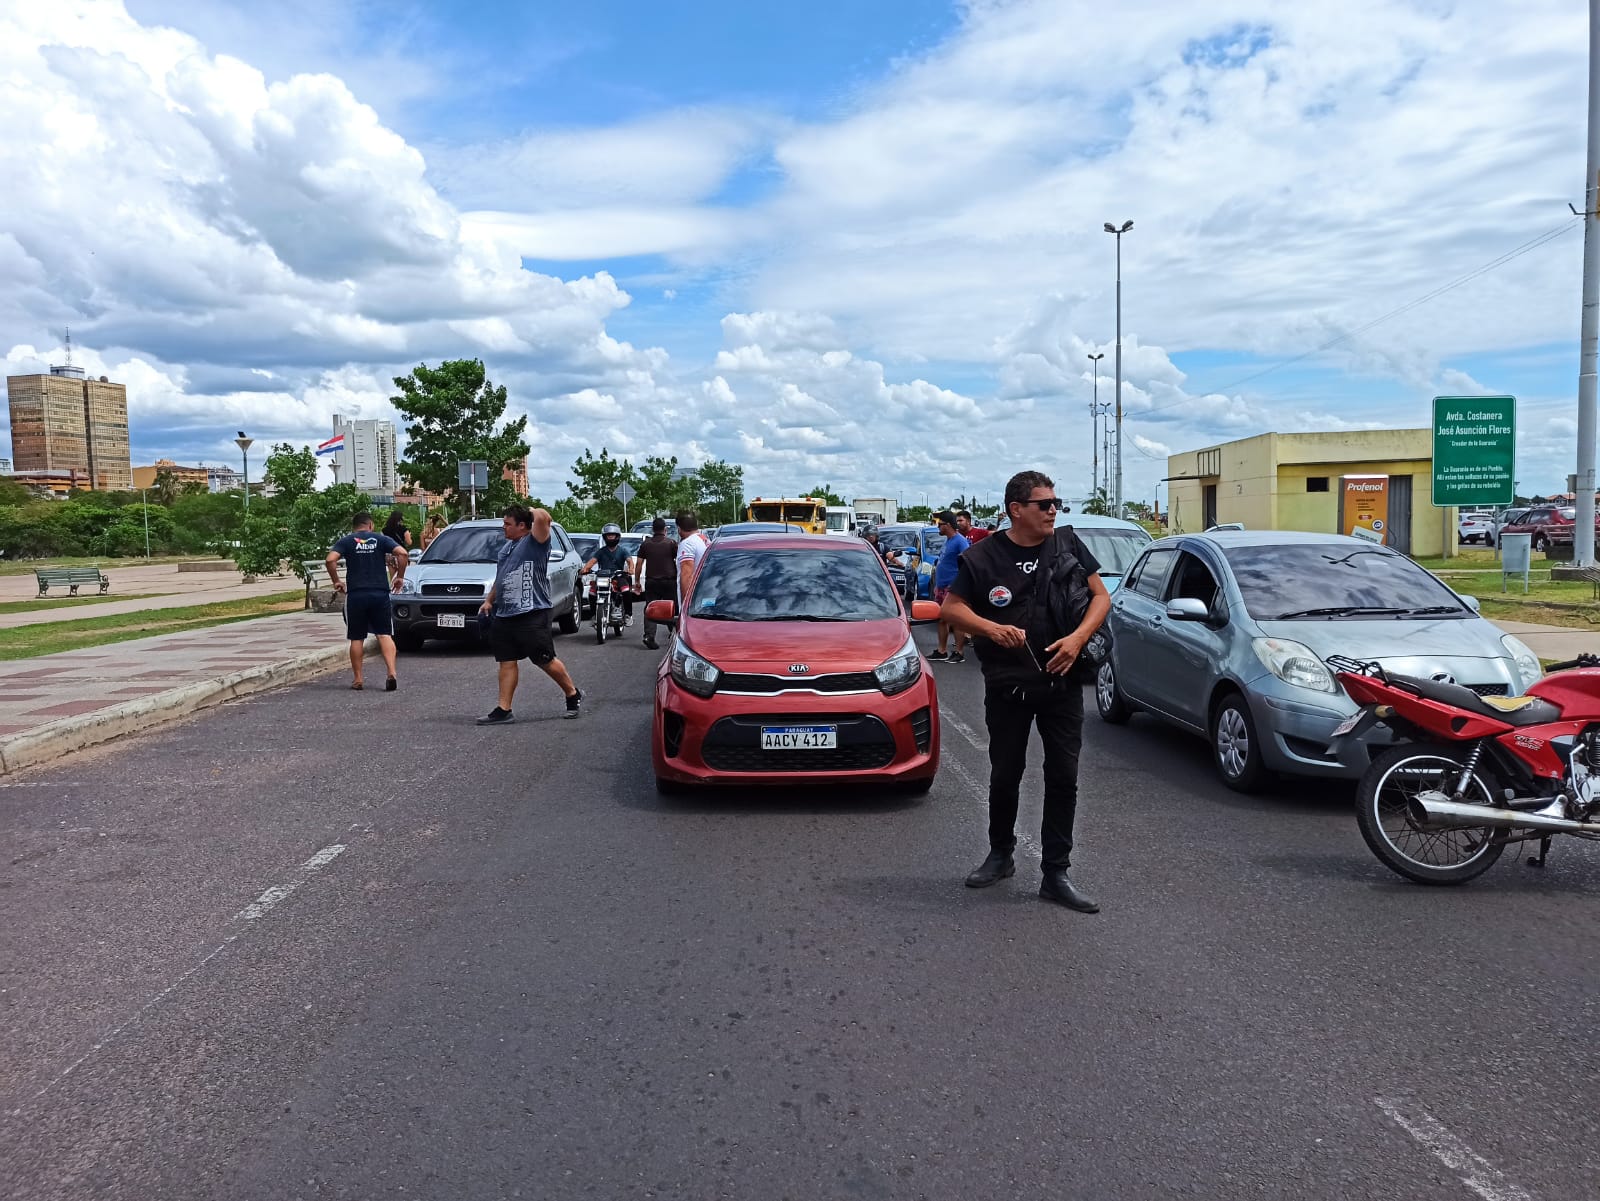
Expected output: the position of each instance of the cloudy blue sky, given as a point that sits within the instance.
(836, 242)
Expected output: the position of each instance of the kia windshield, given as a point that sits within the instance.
(791, 585)
(479, 545)
(1309, 581)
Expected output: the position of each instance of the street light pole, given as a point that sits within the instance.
(1119, 231)
(243, 444)
(1583, 482)
(1094, 413)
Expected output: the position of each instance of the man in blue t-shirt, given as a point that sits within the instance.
(366, 587)
(519, 601)
(944, 574)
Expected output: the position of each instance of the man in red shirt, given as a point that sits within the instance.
(972, 533)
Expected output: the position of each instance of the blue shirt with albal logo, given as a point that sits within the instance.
(365, 557)
(522, 582)
(944, 571)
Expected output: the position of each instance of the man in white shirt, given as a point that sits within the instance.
(691, 546)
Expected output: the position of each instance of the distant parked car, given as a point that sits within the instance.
(1227, 635)
(1550, 525)
(1502, 519)
(443, 592)
(644, 530)
(914, 548)
(740, 529)
(1475, 527)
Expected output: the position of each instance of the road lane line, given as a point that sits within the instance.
(261, 906)
(961, 727)
(981, 793)
(1476, 1172)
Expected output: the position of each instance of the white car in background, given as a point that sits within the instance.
(1476, 527)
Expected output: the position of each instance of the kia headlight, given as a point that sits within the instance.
(692, 673)
(900, 670)
(1528, 666)
(1294, 663)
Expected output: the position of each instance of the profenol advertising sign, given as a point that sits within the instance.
(1364, 507)
(1474, 450)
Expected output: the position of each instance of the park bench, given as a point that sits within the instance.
(72, 578)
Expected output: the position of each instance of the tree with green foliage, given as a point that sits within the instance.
(165, 486)
(454, 414)
(598, 478)
(304, 531)
(292, 473)
(826, 494)
(721, 489)
(1098, 504)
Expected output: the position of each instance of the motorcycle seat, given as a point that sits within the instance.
(1513, 710)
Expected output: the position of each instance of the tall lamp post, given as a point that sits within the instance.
(1094, 415)
(1583, 482)
(243, 444)
(1119, 230)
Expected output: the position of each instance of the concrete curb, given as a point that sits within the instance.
(58, 738)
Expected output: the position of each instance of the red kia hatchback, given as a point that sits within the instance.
(794, 664)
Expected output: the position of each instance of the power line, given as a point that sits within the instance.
(1531, 244)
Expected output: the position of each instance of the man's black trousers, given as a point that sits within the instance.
(1010, 713)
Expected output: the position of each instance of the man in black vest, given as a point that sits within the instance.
(1031, 597)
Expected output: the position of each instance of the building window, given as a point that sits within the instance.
(1316, 483)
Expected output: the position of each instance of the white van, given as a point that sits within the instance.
(841, 521)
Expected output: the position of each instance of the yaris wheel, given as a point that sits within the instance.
(1108, 698)
(1235, 748)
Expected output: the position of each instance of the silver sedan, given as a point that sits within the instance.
(1227, 634)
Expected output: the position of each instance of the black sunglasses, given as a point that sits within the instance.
(1045, 504)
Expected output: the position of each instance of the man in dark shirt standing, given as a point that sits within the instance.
(1031, 674)
(656, 572)
(366, 592)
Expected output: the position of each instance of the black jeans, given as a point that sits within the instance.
(655, 590)
(1009, 714)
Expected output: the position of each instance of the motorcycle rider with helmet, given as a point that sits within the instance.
(610, 558)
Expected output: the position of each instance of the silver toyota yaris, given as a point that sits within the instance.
(1227, 634)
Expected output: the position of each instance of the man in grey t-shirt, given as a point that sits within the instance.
(520, 603)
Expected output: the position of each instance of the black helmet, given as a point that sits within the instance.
(609, 529)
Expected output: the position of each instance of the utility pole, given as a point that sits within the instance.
(1119, 230)
(1094, 413)
(1583, 481)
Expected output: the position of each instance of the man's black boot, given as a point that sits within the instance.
(992, 870)
(1056, 887)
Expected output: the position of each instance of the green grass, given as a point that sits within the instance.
(28, 566)
(50, 602)
(27, 642)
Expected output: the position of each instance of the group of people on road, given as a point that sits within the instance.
(1029, 598)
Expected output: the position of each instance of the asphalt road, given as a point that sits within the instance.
(525, 975)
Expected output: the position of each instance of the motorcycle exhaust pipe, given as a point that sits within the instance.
(1437, 811)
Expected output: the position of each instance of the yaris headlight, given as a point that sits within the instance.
(900, 670)
(1528, 665)
(692, 673)
(1294, 663)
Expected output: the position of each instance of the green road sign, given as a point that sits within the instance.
(1474, 450)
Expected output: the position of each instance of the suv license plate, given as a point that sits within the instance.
(799, 738)
(452, 621)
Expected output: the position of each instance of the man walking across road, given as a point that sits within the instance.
(944, 575)
(1031, 597)
(691, 546)
(366, 592)
(656, 568)
(519, 600)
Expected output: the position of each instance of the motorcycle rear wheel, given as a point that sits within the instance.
(1426, 856)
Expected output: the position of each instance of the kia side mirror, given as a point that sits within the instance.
(661, 611)
(924, 612)
(1187, 608)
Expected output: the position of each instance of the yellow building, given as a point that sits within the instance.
(1294, 482)
(145, 477)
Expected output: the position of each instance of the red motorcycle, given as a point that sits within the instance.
(1470, 775)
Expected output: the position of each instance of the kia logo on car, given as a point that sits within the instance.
(798, 669)
(1442, 677)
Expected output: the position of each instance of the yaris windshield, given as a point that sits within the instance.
(792, 585)
(1305, 580)
(479, 545)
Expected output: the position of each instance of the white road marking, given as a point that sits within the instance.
(257, 908)
(981, 793)
(962, 728)
(1476, 1172)
(263, 904)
